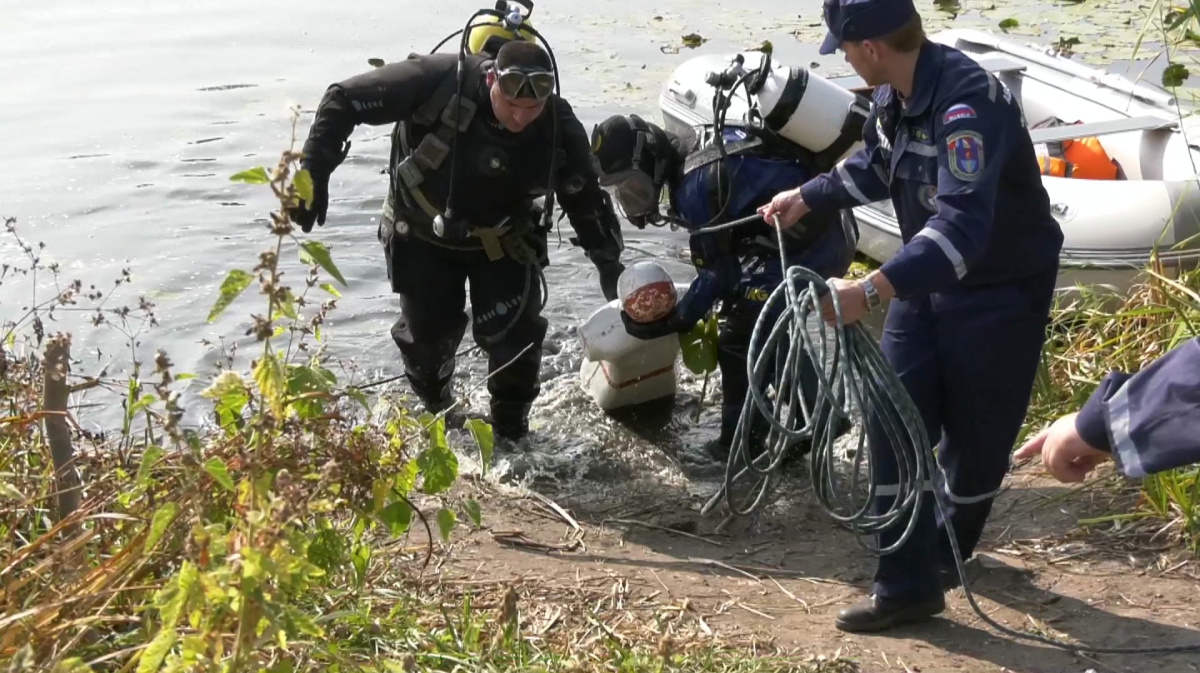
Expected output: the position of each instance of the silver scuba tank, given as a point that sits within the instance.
(806, 108)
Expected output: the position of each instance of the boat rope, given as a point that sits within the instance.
(853, 378)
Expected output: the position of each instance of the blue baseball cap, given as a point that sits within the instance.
(854, 20)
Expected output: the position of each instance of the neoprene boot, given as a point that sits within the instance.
(718, 449)
(510, 420)
(435, 395)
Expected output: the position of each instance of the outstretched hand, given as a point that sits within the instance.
(1067, 457)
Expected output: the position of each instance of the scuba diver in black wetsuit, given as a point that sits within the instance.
(708, 183)
(480, 136)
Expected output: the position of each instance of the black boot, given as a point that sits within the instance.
(879, 614)
(510, 420)
(437, 398)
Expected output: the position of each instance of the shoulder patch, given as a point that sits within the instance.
(957, 112)
(965, 154)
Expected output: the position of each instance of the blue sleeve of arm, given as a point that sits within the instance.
(856, 181)
(972, 152)
(717, 273)
(1150, 421)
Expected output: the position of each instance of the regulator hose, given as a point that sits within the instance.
(853, 378)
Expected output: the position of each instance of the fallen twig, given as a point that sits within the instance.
(557, 509)
(793, 596)
(635, 522)
(518, 539)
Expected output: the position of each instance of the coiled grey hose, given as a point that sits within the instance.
(853, 378)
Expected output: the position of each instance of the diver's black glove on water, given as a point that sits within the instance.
(609, 273)
(307, 213)
(671, 324)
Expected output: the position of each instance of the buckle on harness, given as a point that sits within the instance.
(463, 108)
(431, 152)
(490, 238)
(410, 174)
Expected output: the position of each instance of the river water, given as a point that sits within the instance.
(123, 121)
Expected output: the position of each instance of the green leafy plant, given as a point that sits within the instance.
(240, 549)
(699, 351)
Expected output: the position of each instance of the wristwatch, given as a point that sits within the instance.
(871, 293)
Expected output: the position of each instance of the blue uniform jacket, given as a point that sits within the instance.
(1150, 421)
(961, 171)
(719, 266)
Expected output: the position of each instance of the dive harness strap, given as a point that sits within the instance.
(713, 153)
(451, 114)
(455, 115)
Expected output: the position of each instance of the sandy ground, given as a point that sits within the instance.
(781, 576)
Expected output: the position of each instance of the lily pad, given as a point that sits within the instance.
(693, 40)
(765, 47)
(1174, 75)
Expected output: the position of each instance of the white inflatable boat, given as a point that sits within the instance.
(1110, 226)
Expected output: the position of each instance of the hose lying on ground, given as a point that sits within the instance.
(853, 378)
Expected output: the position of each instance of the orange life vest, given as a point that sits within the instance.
(1082, 158)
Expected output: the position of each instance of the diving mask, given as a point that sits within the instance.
(633, 189)
(519, 83)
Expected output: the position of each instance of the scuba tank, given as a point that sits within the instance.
(808, 109)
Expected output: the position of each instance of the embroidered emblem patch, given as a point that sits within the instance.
(920, 134)
(928, 196)
(957, 112)
(965, 150)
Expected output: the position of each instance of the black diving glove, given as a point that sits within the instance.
(610, 271)
(307, 213)
(671, 324)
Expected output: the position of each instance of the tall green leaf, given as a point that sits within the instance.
(215, 467)
(361, 558)
(150, 457)
(406, 479)
(473, 511)
(481, 431)
(438, 463)
(162, 520)
(446, 520)
(397, 516)
(288, 306)
(178, 593)
(156, 652)
(315, 252)
(234, 284)
(304, 185)
(269, 376)
(254, 176)
(699, 347)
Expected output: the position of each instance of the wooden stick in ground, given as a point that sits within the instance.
(55, 392)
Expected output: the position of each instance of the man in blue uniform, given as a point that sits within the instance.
(1146, 423)
(970, 291)
(739, 267)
